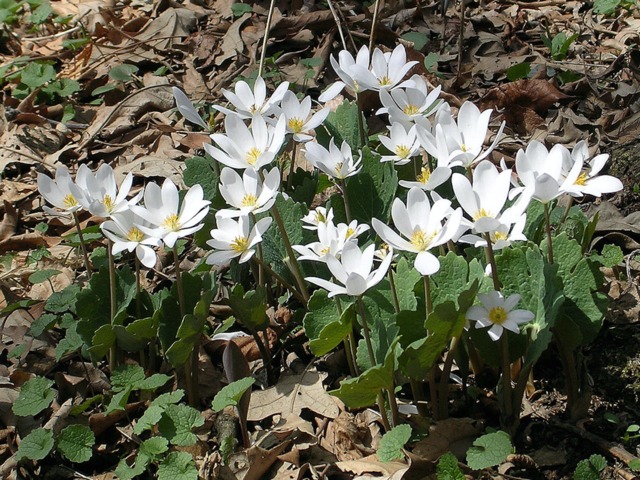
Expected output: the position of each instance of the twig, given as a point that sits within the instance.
(338, 24)
(376, 7)
(267, 27)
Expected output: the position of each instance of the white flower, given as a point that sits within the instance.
(541, 170)
(404, 144)
(387, 69)
(483, 201)
(186, 108)
(422, 225)
(331, 240)
(498, 313)
(354, 271)
(124, 231)
(171, 220)
(242, 147)
(336, 162)
(344, 68)
(102, 196)
(249, 194)
(315, 217)
(234, 238)
(579, 180)
(410, 104)
(460, 142)
(62, 192)
(299, 120)
(502, 236)
(427, 180)
(249, 103)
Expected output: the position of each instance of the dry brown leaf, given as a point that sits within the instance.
(370, 468)
(537, 95)
(453, 435)
(232, 44)
(291, 395)
(253, 463)
(9, 221)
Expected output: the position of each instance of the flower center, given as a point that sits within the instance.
(481, 214)
(403, 151)
(320, 218)
(384, 81)
(108, 203)
(411, 110)
(325, 250)
(464, 147)
(240, 244)
(295, 125)
(135, 235)
(339, 168)
(424, 176)
(582, 179)
(498, 315)
(421, 240)
(171, 222)
(500, 236)
(350, 231)
(252, 156)
(249, 200)
(70, 201)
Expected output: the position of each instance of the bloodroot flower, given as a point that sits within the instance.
(235, 238)
(61, 192)
(498, 313)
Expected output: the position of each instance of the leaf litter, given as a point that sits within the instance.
(589, 88)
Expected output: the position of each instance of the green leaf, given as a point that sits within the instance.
(598, 462)
(489, 450)
(333, 333)
(431, 62)
(239, 9)
(37, 74)
(585, 306)
(36, 445)
(42, 323)
(75, 43)
(176, 424)
(201, 171)
(102, 341)
(41, 13)
(321, 311)
(448, 468)
(634, 465)
(124, 471)
(104, 89)
(362, 391)
(418, 39)
(177, 466)
(123, 73)
(70, 343)
(40, 276)
(35, 395)
(153, 382)
(188, 334)
(149, 419)
(455, 276)
(611, 256)
(64, 301)
(590, 469)
(62, 88)
(519, 71)
(605, 7)
(154, 446)
(372, 191)
(378, 304)
(118, 401)
(249, 308)
(168, 398)
(342, 125)
(405, 279)
(75, 443)
(230, 395)
(392, 442)
(126, 376)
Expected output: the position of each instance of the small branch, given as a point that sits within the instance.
(267, 28)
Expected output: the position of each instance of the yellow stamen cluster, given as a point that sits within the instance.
(481, 214)
(135, 235)
(385, 80)
(240, 244)
(339, 168)
(295, 125)
(498, 315)
(500, 236)
(108, 203)
(249, 200)
(172, 222)
(252, 155)
(424, 175)
(70, 201)
(421, 240)
(411, 110)
(403, 151)
(464, 148)
(350, 231)
(582, 179)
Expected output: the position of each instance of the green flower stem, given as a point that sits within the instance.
(372, 359)
(506, 382)
(292, 167)
(394, 292)
(260, 277)
(363, 136)
(491, 260)
(354, 354)
(138, 287)
(433, 388)
(282, 281)
(427, 296)
(349, 347)
(295, 266)
(565, 215)
(83, 246)
(443, 395)
(419, 400)
(265, 352)
(547, 222)
(345, 199)
(571, 375)
(395, 413)
(190, 366)
(113, 305)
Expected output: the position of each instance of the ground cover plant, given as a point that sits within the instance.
(355, 271)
